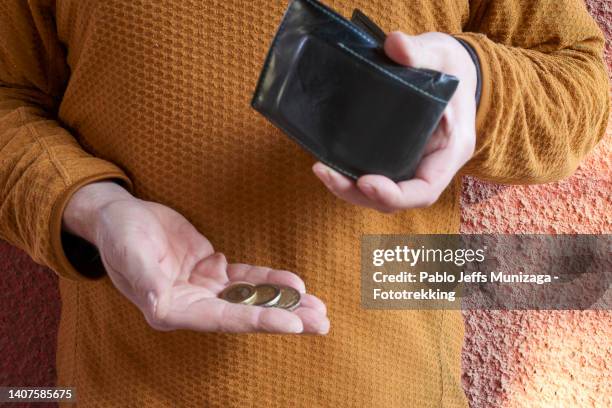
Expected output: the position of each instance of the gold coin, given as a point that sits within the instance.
(266, 295)
(239, 293)
(289, 299)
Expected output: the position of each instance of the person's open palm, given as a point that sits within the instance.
(158, 260)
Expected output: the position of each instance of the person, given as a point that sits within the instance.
(129, 149)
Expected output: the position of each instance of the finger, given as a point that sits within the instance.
(139, 277)
(387, 194)
(439, 138)
(434, 173)
(210, 272)
(258, 275)
(314, 303)
(314, 321)
(413, 51)
(216, 315)
(340, 185)
(354, 193)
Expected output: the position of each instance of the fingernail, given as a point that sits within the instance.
(323, 174)
(324, 328)
(296, 327)
(329, 175)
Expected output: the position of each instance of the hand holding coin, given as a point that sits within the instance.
(258, 299)
(162, 264)
(239, 298)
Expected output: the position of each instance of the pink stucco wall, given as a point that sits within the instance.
(510, 359)
(543, 359)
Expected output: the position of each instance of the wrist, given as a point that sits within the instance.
(476, 65)
(83, 212)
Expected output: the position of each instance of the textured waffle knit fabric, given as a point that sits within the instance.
(156, 93)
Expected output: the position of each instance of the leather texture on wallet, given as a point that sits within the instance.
(328, 84)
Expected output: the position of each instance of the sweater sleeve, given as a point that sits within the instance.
(41, 163)
(544, 99)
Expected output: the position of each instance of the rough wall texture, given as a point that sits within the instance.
(543, 359)
(511, 359)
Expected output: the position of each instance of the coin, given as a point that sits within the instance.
(289, 299)
(266, 295)
(239, 293)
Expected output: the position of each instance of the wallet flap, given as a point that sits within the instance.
(433, 81)
(327, 83)
(362, 20)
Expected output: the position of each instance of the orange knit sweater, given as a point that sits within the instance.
(156, 94)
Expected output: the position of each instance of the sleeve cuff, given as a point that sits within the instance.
(73, 257)
(473, 40)
(476, 62)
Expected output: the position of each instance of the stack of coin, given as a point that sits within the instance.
(265, 295)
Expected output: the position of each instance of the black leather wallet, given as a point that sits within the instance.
(328, 84)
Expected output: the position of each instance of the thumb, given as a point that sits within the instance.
(140, 278)
(158, 289)
(409, 50)
(149, 281)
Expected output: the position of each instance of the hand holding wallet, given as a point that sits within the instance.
(328, 85)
